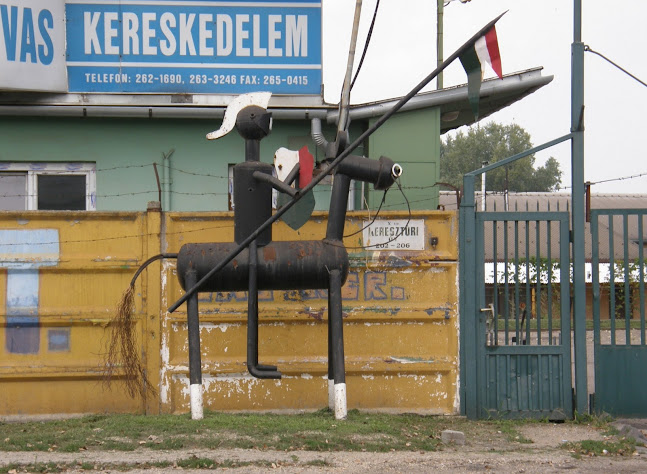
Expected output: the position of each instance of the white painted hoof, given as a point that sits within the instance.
(341, 409)
(196, 402)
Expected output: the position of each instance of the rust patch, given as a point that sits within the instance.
(269, 253)
(234, 263)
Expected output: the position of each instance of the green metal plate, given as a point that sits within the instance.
(621, 380)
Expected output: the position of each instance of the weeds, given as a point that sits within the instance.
(622, 447)
(510, 429)
(317, 431)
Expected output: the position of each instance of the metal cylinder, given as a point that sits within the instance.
(379, 172)
(252, 201)
(280, 265)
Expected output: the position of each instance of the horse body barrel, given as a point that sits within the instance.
(281, 265)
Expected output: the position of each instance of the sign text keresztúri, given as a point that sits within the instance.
(134, 46)
(398, 234)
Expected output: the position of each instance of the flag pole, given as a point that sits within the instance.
(347, 151)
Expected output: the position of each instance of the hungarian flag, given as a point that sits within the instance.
(484, 50)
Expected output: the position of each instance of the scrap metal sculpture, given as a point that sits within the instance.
(268, 265)
(262, 264)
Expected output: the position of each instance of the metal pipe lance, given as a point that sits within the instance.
(334, 164)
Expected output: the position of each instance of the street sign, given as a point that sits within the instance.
(399, 234)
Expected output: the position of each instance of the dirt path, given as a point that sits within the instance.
(543, 454)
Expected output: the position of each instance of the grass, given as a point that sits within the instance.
(192, 462)
(510, 428)
(317, 431)
(621, 447)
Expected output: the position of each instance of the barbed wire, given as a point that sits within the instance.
(119, 237)
(217, 176)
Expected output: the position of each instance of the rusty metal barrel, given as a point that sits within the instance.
(281, 265)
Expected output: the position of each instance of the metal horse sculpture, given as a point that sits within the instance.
(268, 265)
(265, 265)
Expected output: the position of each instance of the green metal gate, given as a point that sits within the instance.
(618, 278)
(515, 293)
(521, 318)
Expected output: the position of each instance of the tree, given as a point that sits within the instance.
(465, 152)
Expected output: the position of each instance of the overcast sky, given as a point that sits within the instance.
(533, 33)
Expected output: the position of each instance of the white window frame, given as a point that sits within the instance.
(33, 170)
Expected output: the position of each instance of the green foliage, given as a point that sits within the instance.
(493, 142)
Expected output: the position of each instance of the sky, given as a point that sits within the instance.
(532, 33)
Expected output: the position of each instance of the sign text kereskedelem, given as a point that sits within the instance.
(194, 46)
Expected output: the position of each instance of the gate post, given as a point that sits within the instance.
(467, 301)
(578, 212)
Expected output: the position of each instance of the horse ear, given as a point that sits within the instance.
(260, 99)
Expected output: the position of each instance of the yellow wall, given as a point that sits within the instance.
(400, 319)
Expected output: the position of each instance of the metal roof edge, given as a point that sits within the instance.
(519, 81)
(204, 106)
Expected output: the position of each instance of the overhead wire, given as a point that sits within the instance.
(366, 43)
(588, 49)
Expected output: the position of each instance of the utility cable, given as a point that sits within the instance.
(398, 234)
(368, 41)
(588, 49)
(374, 217)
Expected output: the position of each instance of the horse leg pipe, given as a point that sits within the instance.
(256, 370)
(331, 375)
(339, 371)
(195, 363)
(338, 206)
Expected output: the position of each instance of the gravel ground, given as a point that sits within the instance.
(544, 454)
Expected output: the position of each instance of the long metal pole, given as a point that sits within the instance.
(344, 103)
(333, 165)
(440, 12)
(578, 211)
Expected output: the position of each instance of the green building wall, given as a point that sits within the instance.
(194, 178)
(411, 139)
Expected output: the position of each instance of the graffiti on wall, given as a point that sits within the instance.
(22, 253)
(375, 286)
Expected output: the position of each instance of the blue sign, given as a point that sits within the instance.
(197, 46)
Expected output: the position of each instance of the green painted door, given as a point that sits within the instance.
(618, 278)
(523, 343)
